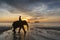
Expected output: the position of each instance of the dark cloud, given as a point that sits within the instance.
(23, 3)
(28, 6)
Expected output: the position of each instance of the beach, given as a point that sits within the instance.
(4, 28)
(36, 32)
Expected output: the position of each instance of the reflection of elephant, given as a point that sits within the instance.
(19, 24)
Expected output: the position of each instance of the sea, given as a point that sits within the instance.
(39, 24)
(37, 31)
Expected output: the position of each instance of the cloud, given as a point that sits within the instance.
(34, 8)
(53, 12)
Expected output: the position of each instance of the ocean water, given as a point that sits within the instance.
(6, 24)
(34, 33)
(33, 24)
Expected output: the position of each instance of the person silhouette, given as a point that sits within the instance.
(21, 26)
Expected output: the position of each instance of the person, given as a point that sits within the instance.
(21, 26)
(20, 18)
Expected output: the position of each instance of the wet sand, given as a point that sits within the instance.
(33, 34)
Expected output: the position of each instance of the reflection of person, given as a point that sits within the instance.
(21, 26)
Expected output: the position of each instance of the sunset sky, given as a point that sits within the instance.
(31, 10)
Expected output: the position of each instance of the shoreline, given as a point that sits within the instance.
(4, 28)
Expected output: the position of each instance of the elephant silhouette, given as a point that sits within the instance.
(20, 24)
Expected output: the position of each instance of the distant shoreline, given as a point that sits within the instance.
(50, 28)
(32, 22)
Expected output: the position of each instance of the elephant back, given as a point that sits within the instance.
(15, 24)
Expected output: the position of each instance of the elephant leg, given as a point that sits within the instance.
(19, 29)
(14, 30)
(24, 30)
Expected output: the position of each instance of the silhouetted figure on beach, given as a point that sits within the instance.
(19, 24)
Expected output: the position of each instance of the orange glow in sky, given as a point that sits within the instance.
(11, 19)
(28, 18)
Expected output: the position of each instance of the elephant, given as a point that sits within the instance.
(20, 25)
